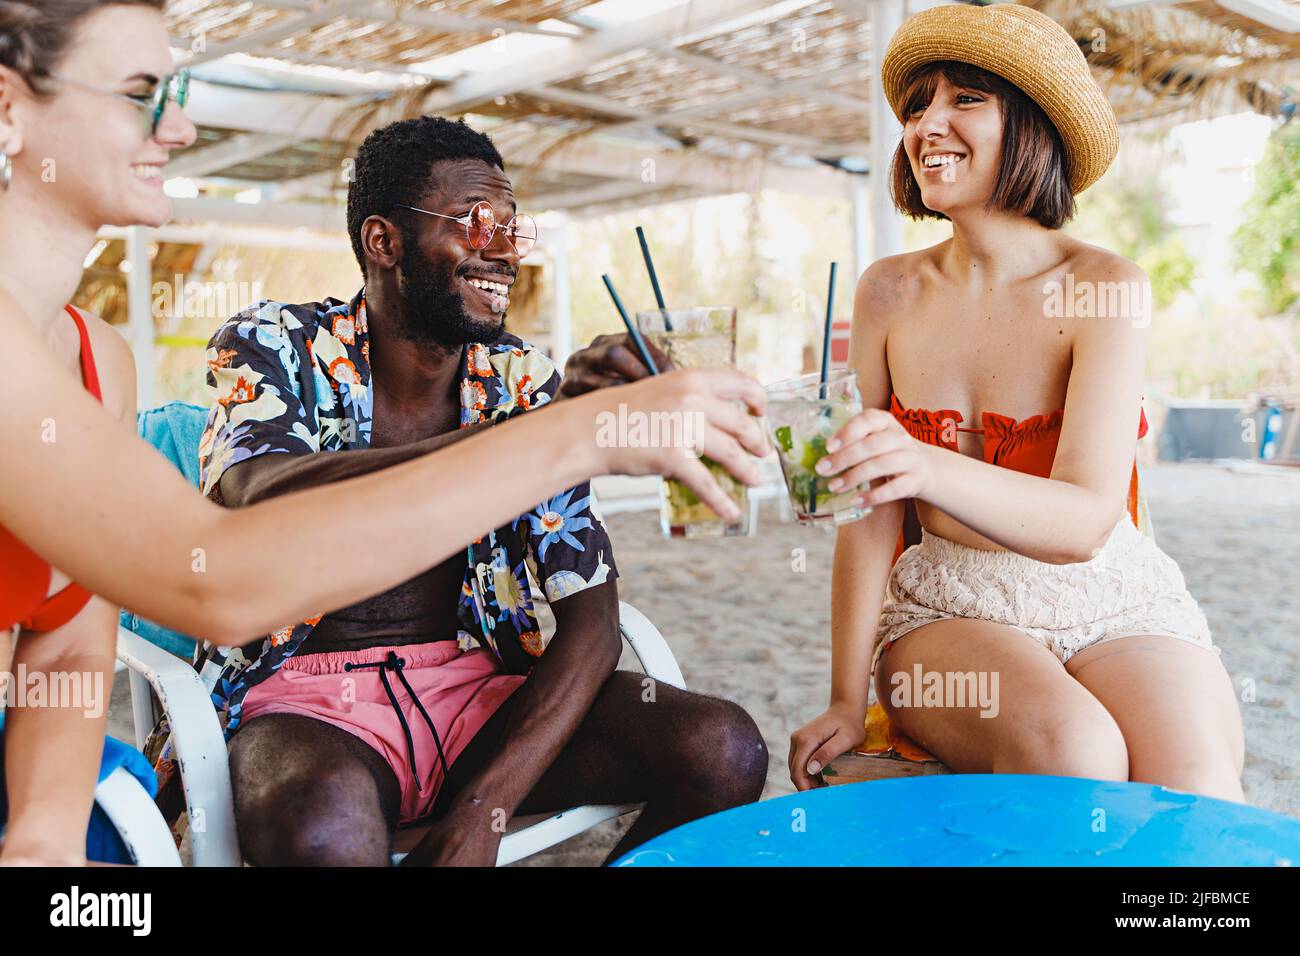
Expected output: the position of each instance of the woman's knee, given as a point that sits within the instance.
(1086, 743)
(1205, 774)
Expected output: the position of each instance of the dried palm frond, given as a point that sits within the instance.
(1188, 59)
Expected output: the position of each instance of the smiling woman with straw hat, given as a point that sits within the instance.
(1020, 349)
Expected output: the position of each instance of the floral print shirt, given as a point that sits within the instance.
(295, 379)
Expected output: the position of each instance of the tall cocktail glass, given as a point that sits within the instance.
(700, 337)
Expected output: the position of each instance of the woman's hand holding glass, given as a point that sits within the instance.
(873, 445)
(723, 407)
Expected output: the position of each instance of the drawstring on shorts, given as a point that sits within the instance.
(394, 663)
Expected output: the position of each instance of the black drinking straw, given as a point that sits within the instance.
(826, 335)
(631, 329)
(823, 391)
(654, 278)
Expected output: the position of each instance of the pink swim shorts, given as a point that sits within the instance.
(459, 691)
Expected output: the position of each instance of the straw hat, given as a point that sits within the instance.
(1029, 50)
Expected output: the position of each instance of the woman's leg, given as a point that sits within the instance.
(1042, 720)
(1175, 704)
(53, 749)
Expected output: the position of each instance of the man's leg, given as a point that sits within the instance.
(310, 794)
(684, 755)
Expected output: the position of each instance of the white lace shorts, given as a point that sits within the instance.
(1129, 587)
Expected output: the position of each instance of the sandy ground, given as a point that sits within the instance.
(745, 626)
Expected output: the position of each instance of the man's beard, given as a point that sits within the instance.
(432, 313)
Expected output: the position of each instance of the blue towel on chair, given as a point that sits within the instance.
(175, 430)
(103, 844)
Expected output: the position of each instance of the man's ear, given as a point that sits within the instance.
(11, 134)
(381, 241)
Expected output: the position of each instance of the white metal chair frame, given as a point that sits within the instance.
(205, 772)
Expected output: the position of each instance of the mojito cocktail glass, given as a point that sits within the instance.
(802, 414)
(701, 337)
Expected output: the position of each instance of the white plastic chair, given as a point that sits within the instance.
(136, 818)
(205, 772)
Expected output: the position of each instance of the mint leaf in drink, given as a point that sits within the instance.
(784, 440)
(803, 489)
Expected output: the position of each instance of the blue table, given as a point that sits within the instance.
(981, 820)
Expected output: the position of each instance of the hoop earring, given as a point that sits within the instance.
(6, 171)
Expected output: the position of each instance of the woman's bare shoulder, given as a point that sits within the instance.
(1115, 288)
(115, 363)
(895, 284)
(1093, 263)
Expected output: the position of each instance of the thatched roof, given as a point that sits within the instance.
(1185, 60)
(732, 92)
(723, 94)
(595, 104)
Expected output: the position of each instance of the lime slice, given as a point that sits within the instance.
(813, 452)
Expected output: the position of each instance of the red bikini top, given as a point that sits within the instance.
(1027, 446)
(26, 579)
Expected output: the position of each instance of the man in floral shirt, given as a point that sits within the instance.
(439, 699)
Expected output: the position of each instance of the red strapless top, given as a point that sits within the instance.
(1027, 446)
(26, 578)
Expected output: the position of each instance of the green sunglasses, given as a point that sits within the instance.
(151, 105)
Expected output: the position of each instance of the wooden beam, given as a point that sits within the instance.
(214, 234)
(323, 12)
(300, 115)
(633, 119)
(1279, 16)
(596, 156)
(315, 117)
(229, 152)
(863, 8)
(886, 221)
(352, 64)
(769, 85)
(1135, 4)
(550, 67)
(810, 86)
(644, 201)
(442, 21)
(286, 215)
(290, 189)
(611, 191)
(636, 119)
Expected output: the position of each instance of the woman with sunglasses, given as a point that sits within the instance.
(86, 127)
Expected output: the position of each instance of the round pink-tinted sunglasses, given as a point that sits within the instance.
(481, 226)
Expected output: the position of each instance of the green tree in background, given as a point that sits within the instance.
(1268, 241)
(1128, 213)
(1170, 268)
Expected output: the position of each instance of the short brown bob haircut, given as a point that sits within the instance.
(1034, 176)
